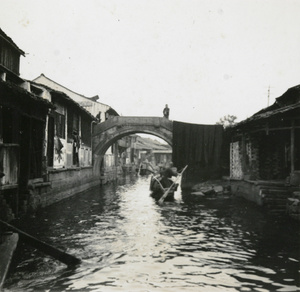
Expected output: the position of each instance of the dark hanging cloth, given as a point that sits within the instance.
(199, 147)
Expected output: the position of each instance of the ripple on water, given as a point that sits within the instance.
(130, 243)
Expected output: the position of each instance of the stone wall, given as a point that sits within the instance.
(235, 161)
(247, 190)
(244, 159)
(63, 183)
(110, 174)
(252, 164)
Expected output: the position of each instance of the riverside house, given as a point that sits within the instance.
(264, 152)
(45, 140)
(23, 118)
(67, 152)
(108, 168)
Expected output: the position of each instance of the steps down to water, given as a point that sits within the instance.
(275, 199)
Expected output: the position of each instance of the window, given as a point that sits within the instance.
(86, 132)
(60, 121)
(59, 125)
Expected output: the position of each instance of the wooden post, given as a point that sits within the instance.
(244, 167)
(293, 146)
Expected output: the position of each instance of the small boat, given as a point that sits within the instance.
(158, 186)
(162, 187)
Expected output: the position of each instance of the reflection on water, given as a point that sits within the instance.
(130, 243)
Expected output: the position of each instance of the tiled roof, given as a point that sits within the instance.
(289, 101)
(66, 98)
(13, 88)
(94, 98)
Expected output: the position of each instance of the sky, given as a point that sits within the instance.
(204, 58)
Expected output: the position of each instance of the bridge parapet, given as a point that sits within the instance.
(108, 132)
(133, 121)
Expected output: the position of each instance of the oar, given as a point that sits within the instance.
(63, 257)
(159, 183)
(161, 200)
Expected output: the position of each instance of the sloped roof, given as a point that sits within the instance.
(23, 101)
(9, 40)
(271, 113)
(284, 104)
(148, 144)
(291, 96)
(93, 98)
(68, 99)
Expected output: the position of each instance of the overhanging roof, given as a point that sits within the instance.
(16, 90)
(271, 114)
(65, 97)
(285, 106)
(4, 36)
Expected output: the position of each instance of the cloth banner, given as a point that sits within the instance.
(199, 147)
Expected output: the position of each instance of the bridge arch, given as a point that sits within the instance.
(108, 132)
(113, 129)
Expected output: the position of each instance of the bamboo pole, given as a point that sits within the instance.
(161, 200)
(61, 256)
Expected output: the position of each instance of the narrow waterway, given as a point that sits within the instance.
(129, 243)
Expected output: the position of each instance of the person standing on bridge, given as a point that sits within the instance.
(166, 112)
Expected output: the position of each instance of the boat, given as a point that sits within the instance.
(162, 187)
(158, 187)
(145, 168)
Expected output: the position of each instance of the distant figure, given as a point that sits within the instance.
(166, 112)
(98, 117)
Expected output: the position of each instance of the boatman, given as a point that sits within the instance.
(167, 174)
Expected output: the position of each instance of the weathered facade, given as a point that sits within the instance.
(108, 168)
(45, 140)
(264, 150)
(23, 118)
(67, 151)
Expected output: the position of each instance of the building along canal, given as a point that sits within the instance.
(127, 242)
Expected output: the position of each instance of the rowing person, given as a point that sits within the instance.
(166, 175)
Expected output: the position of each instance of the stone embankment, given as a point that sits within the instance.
(211, 188)
(280, 201)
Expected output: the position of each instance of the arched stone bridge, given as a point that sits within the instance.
(108, 132)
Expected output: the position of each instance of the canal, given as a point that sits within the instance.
(129, 243)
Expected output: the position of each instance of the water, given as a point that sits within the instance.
(129, 243)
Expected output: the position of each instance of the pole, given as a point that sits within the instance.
(63, 257)
(161, 200)
(293, 146)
